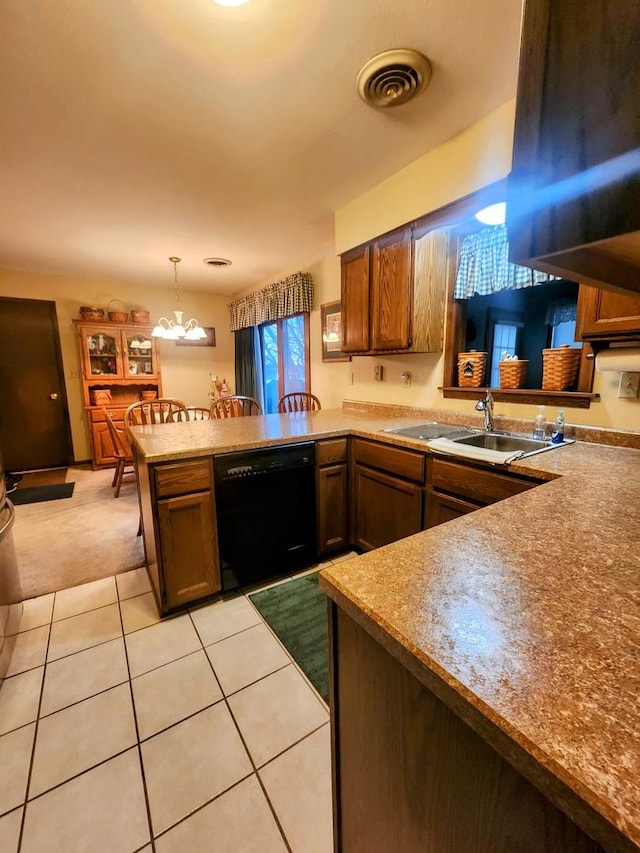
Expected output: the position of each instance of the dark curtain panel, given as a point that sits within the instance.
(246, 365)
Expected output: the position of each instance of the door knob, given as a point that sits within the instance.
(53, 396)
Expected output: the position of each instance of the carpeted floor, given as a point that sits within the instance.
(88, 536)
(297, 611)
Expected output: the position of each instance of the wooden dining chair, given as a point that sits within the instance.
(198, 413)
(236, 406)
(121, 451)
(298, 401)
(159, 411)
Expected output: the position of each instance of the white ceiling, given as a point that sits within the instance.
(131, 130)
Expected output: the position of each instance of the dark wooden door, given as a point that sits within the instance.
(440, 508)
(34, 418)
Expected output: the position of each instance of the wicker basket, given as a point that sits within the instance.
(471, 366)
(512, 371)
(560, 368)
(117, 316)
(138, 315)
(88, 312)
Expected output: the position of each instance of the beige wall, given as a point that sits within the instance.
(185, 370)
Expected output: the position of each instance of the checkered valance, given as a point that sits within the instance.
(484, 266)
(285, 298)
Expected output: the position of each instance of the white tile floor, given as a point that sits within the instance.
(119, 732)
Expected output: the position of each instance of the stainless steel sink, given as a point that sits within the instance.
(503, 443)
(430, 430)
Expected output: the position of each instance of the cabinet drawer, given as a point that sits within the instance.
(331, 451)
(97, 415)
(485, 487)
(404, 463)
(181, 478)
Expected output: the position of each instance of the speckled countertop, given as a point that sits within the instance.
(522, 616)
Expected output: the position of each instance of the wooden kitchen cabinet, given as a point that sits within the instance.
(394, 293)
(180, 533)
(355, 299)
(332, 511)
(387, 493)
(606, 315)
(455, 489)
(123, 359)
(572, 193)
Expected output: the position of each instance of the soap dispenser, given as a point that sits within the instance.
(540, 425)
(557, 436)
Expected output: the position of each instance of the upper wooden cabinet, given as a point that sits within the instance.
(110, 351)
(355, 299)
(605, 315)
(574, 187)
(394, 293)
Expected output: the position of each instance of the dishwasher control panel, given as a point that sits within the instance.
(253, 463)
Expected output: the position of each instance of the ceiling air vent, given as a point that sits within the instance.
(393, 77)
(216, 262)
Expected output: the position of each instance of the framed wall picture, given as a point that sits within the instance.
(209, 341)
(331, 316)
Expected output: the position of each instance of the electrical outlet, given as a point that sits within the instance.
(378, 373)
(629, 383)
(405, 378)
(74, 374)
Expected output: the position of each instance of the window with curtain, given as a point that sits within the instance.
(284, 346)
(275, 359)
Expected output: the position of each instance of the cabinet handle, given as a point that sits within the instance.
(53, 396)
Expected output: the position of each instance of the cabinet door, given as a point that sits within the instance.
(392, 291)
(101, 352)
(576, 110)
(355, 300)
(189, 548)
(386, 508)
(140, 359)
(603, 314)
(440, 508)
(332, 508)
(103, 450)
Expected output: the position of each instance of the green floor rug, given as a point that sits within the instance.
(297, 613)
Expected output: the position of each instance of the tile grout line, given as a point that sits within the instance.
(35, 734)
(135, 722)
(244, 744)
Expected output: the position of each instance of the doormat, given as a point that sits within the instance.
(36, 494)
(297, 613)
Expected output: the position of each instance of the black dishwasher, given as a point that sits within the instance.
(266, 510)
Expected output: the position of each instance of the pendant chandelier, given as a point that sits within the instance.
(173, 330)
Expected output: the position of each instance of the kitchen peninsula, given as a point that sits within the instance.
(510, 635)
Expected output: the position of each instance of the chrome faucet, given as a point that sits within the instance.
(486, 406)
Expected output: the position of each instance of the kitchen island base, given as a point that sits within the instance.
(410, 775)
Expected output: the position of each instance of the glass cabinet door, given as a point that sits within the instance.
(139, 356)
(101, 350)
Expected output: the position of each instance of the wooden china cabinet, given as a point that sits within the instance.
(122, 359)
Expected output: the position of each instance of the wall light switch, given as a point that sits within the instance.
(378, 373)
(405, 378)
(629, 383)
